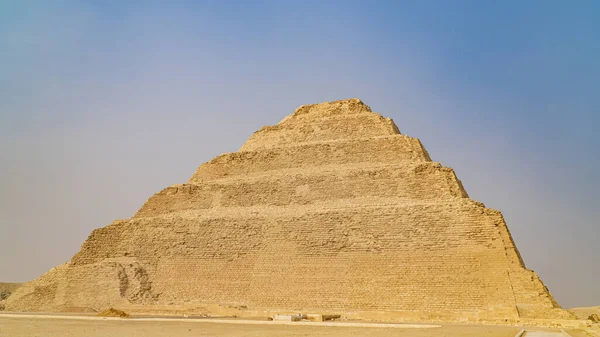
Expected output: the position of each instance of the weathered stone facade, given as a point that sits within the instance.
(331, 210)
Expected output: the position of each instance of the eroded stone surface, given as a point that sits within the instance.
(331, 210)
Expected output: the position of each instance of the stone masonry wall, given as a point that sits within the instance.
(331, 210)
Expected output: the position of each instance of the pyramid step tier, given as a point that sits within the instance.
(412, 182)
(376, 150)
(294, 132)
(325, 228)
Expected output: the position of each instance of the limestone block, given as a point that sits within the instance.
(314, 317)
(287, 318)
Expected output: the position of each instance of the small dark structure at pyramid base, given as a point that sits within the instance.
(331, 211)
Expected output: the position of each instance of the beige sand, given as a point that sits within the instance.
(21, 327)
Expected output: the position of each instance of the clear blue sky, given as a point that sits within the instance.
(103, 103)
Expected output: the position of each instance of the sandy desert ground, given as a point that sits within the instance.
(52, 327)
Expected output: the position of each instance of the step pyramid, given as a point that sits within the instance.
(331, 210)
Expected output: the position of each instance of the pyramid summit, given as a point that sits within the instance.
(338, 120)
(332, 210)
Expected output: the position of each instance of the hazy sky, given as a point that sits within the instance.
(104, 103)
